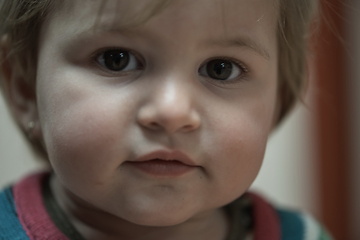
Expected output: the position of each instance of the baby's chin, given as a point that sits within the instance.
(162, 214)
(158, 219)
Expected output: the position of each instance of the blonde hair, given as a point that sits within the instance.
(20, 22)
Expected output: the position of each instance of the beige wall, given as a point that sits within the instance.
(288, 175)
(15, 157)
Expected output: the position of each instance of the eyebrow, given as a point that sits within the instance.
(243, 42)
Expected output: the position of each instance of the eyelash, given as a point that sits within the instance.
(243, 68)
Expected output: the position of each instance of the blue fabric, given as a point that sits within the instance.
(10, 226)
(292, 225)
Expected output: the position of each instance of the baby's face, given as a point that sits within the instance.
(196, 83)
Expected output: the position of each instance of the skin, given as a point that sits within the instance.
(92, 120)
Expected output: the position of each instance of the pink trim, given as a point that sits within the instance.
(267, 223)
(31, 210)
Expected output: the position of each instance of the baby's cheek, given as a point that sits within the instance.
(236, 151)
(81, 145)
(245, 145)
(81, 135)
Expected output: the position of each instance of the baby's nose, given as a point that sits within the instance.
(170, 108)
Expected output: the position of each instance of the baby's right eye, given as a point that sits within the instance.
(118, 60)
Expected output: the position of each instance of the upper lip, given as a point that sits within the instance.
(167, 156)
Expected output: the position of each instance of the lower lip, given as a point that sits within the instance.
(162, 167)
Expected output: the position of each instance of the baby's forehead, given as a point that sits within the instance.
(121, 13)
(254, 22)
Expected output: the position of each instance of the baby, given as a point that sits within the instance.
(153, 115)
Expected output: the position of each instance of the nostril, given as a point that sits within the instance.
(154, 125)
(158, 117)
(188, 128)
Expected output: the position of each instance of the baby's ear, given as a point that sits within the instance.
(18, 78)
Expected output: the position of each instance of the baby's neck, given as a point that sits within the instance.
(94, 224)
(105, 228)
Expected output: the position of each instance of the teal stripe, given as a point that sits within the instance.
(292, 225)
(10, 226)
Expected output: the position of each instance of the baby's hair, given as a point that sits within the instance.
(21, 20)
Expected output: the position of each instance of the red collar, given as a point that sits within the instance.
(266, 220)
(31, 209)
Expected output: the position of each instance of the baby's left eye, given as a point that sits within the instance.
(118, 60)
(220, 69)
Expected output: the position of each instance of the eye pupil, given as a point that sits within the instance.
(219, 69)
(116, 60)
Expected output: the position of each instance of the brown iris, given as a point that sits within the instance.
(116, 60)
(219, 69)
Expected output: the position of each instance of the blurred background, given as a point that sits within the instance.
(312, 160)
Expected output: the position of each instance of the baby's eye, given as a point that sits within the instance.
(118, 60)
(221, 69)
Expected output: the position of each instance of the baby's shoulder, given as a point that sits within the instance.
(284, 224)
(298, 225)
(10, 226)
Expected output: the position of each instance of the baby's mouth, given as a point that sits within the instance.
(161, 167)
(164, 163)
